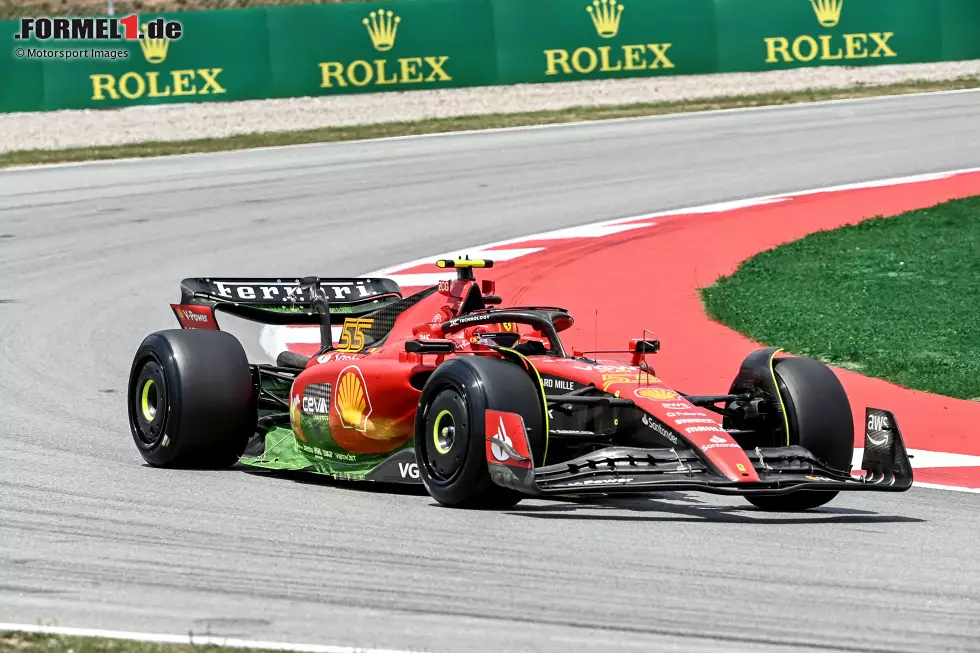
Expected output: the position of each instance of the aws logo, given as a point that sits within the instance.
(382, 29)
(606, 16)
(829, 47)
(134, 85)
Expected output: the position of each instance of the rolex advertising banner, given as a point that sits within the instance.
(296, 51)
(564, 40)
(385, 46)
(765, 35)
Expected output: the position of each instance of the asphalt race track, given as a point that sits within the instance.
(91, 255)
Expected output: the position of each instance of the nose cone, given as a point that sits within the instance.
(701, 428)
(728, 456)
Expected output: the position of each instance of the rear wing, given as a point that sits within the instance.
(281, 300)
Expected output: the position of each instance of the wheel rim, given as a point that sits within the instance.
(444, 432)
(448, 431)
(148, 399)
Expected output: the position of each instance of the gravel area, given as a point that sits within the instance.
(63, 129)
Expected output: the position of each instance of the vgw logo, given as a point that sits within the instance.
(134, 85)
(828, 47)
(382, 28)
(409, 470)
(606, 16)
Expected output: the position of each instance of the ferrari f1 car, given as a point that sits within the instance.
(484, 404)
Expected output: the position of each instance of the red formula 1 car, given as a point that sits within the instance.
(484, 404)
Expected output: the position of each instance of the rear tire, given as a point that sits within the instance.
(191, 399)
(820, 421)
(450, 429)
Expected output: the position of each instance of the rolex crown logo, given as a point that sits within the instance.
(827, 11)
(382, 26)
(605, 16)
(155, 50)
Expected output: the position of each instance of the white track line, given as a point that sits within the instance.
(954, 488)
(925, 459)
(195, 640)
(469, 132)
(606, 227)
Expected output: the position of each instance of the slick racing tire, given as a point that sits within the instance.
(820, 421)
(191, 399)
(450, 428)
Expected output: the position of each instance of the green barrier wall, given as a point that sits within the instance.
(355, 48)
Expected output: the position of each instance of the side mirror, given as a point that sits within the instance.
(429, 347)
(641, 348)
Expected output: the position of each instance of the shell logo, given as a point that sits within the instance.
(294, 418)
(353, 402)
(657, 394)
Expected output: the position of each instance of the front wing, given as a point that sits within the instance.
(781, 470)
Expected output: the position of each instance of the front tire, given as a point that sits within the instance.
(820, 421)
(191, 399)
(450, 429)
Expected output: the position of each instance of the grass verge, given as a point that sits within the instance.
(18, 642)
(487, 121)
(894, 298)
